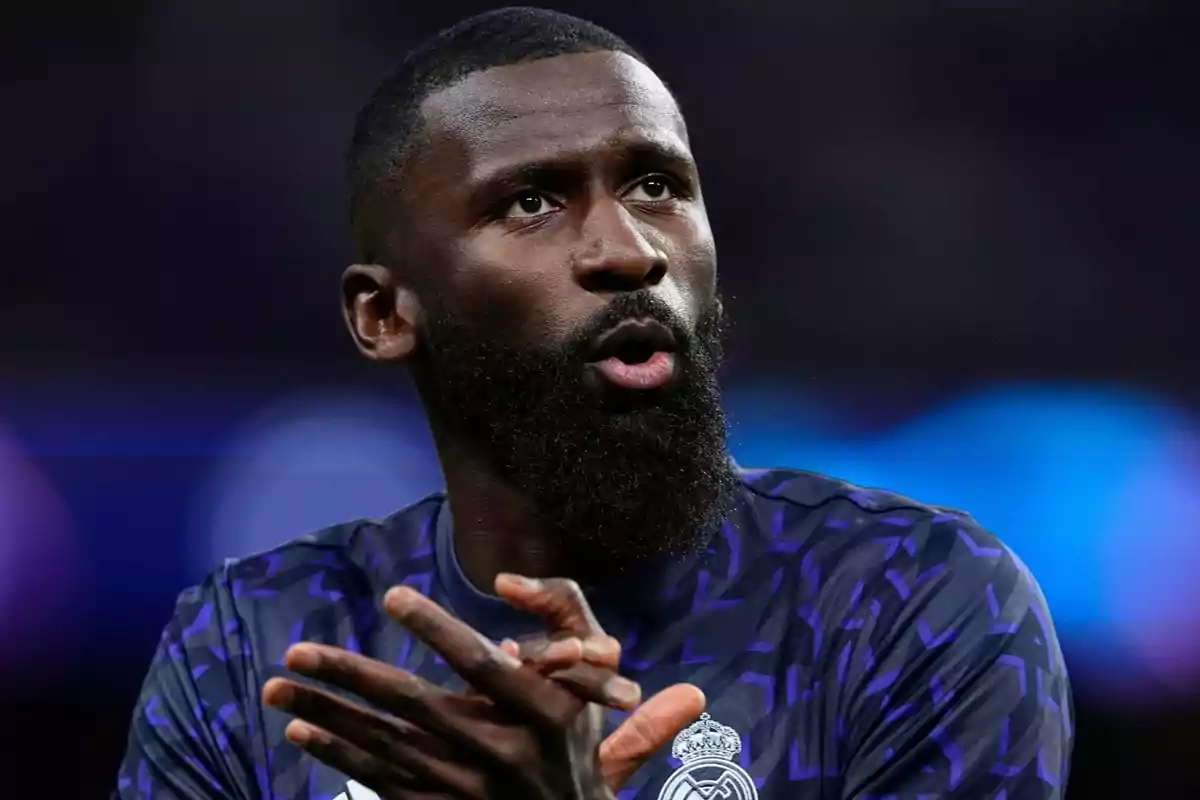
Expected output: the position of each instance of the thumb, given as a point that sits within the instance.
(649, 727)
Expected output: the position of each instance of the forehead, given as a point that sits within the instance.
(551, 108)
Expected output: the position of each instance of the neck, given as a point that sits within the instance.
(497, 526)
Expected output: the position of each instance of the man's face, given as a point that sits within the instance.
(571, 324)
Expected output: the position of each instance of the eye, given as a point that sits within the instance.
(529, 204)
(652, 189)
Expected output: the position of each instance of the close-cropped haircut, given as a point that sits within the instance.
(389, 125)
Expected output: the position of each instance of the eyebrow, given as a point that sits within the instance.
(631, 154)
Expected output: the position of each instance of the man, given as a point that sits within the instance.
(534, 247)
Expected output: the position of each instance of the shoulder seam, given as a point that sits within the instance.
(911, 505)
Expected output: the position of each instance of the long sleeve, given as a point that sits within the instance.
(193, 733)
(961, 690)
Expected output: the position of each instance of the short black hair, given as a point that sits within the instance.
(390, 122)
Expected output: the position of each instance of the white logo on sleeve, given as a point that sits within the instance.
(356, 791)
(707, 749)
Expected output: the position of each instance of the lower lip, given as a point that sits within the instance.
(652, 373)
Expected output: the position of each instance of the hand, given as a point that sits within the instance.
(525, 737)
(529, 737)
(650, 726)
(582, 665)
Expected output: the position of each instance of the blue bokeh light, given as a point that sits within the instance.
(311, 460)
(1081, 482)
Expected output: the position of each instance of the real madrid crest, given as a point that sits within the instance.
(709, 772)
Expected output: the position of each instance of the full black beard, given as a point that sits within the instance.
(620, 479)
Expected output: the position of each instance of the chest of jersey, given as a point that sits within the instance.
(761, 737)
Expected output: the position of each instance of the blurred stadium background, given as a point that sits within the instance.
(958, 244)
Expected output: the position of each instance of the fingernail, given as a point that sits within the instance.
(563, 649)
(302, 657)
(600, 648)
(298, 732)
(277, 693)
(520, 580)
(396, 599)
(622, 692)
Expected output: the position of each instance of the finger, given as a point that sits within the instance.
(359, 725)
(356, 763)
(595, 683)
(547, 655)
(416, 758)
(599, 685)
(363, 767)
(510, 647)
(484, 665)
(543, 655)
(554, 654)
(649, 727)
(392, 689)
(602, 651)
(559, 600)
(395, 691)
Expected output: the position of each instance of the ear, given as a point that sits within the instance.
(382, 316)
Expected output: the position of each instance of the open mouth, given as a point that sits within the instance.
(634, 341)
(636, 354)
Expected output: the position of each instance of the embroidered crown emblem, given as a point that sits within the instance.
(706, 738)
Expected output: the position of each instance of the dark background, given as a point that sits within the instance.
(958, 244)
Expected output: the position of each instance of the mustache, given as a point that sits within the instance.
(637, 305)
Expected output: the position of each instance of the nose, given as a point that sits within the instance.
(616, 255)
